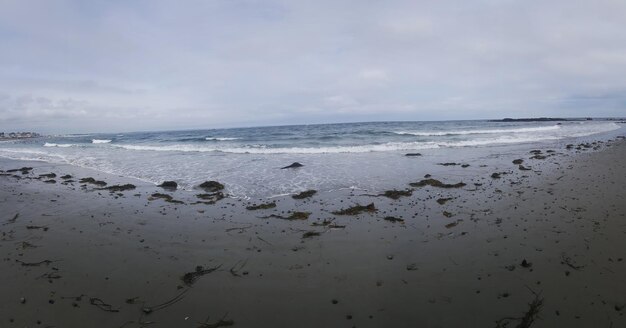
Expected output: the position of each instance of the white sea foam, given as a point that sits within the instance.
(220, 139)
(486, 131)
(48, 144)
(100, 141)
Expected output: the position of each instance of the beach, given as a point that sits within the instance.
(492, 244)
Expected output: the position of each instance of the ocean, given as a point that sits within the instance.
(368, 156)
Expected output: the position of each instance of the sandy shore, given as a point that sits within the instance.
(508, 248)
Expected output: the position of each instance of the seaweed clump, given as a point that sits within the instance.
(93, 181)
(304, 194)
(261, 206)
(356, 210)
(396, 194)
(436, 183)
(124, 187)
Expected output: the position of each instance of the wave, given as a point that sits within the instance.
(468, 132)
(220, 139)
(100, 141)
(49, 144)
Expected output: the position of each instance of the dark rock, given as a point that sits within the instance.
(50, 181)
(304, 194)
(67, 176)
(495, 175)
(124, 187)
(524, 168)
(413, 154)
(211, 186)
(48, 175)
(310, 234)
(165, 197)
(292, 166)
(518, 161)
(442, 201)
(436, 183)
(448, 164)
(538, 157)
(465, 165)
(261, 206)
(169, 185)
(212, 198)
(92, 181)
(526, 264)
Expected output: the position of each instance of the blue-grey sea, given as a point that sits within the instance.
(368, 156)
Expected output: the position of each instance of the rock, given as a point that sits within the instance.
(292, 166)
(436, 183)
(67, 176)
(169, 185)
(495, 175)
(526, 264)
(465, 165)
(524, 168)
(261, 206)
(448, 164)
(442, 201)
(165, 197)
(92, 181)
(304, 194)
(518, 161)
(211, 186)
(49, 175)
(124, 187)
(413, 154)
(212, 198)
(538, 157)
(50, 181)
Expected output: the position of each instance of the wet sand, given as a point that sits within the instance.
(542, 247)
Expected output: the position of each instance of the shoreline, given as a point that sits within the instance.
(413, 262)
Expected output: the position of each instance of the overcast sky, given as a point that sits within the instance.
(123, 65)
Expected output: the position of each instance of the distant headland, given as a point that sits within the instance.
(18, 135)
(541, 119)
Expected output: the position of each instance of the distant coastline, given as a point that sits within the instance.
(18, 135)
(541, 119)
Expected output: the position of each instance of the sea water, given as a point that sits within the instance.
(368, 156)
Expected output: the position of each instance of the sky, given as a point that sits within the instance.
(71, 66)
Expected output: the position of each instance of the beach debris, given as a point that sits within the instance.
(44, 228)
(413, 154)
(190, 278)
(165, 197)
(220, 323)
(566, 260)
(93, 181)
(11, 221)
(527, 319)
(235, 271)
(449, 164)
(123, 187)
(292, 166)
(31, 264)
(310, 234)
(393, 219)
(453, 224)
(518, 161)
(102, 305)
(357, 209)
(526, 264)
(436, 183)
(396, 194)
(172, 185)
(298, 216)
(174, 300)
(442, 201)
(304, 194)
(261, 206)
(291, 217)
(211, 186)
(48, 175)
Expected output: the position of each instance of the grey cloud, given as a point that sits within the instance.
(162, 64)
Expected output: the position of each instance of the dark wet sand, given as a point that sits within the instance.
(114, 258)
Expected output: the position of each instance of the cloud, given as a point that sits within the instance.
(137, 65)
